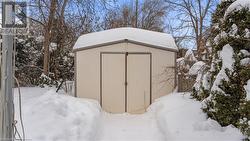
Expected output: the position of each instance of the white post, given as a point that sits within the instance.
(6, 95)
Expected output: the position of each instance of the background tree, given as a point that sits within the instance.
(59, 26)
(150, 14)
(191, 21)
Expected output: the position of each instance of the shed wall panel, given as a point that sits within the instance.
(88, 69)
(138, 78)
(113, 78)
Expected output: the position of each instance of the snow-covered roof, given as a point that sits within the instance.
(134, 35)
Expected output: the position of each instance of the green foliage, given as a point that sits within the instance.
(242, 20)
(194, 94)
(244, 118)
(200, 95)
(217, 23)
(223, 108)
(230, 105)
(220, 10)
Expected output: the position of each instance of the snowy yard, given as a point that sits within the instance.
(125, 53)
(52, 117)
(126, 127)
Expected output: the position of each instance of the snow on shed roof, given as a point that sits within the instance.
(135, 35)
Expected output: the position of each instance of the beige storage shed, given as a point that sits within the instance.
(125, 69)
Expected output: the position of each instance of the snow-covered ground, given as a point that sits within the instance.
(49, 116)
(127, 127)
(181, 119)
(57, 117)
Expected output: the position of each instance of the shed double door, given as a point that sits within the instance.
(125, 82)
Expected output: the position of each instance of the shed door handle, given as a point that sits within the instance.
(126, 83)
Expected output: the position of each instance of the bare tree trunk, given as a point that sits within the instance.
(136, 13)
(61, 35)
(47, 36)
(197, 12)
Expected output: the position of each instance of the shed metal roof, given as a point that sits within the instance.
(133, 35)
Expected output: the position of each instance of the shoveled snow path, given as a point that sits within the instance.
(128, 127)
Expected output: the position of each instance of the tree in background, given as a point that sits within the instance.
(191, 21)
(223, 88)
(57, 26)
(47, 34)
(150, 14)
(27, 55)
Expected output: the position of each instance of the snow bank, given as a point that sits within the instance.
(181, 119)
(196, 68)
(237, 5)
(50, 116)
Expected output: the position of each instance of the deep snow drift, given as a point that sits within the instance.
(181, 119)
(57, 117)
(49, 116)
